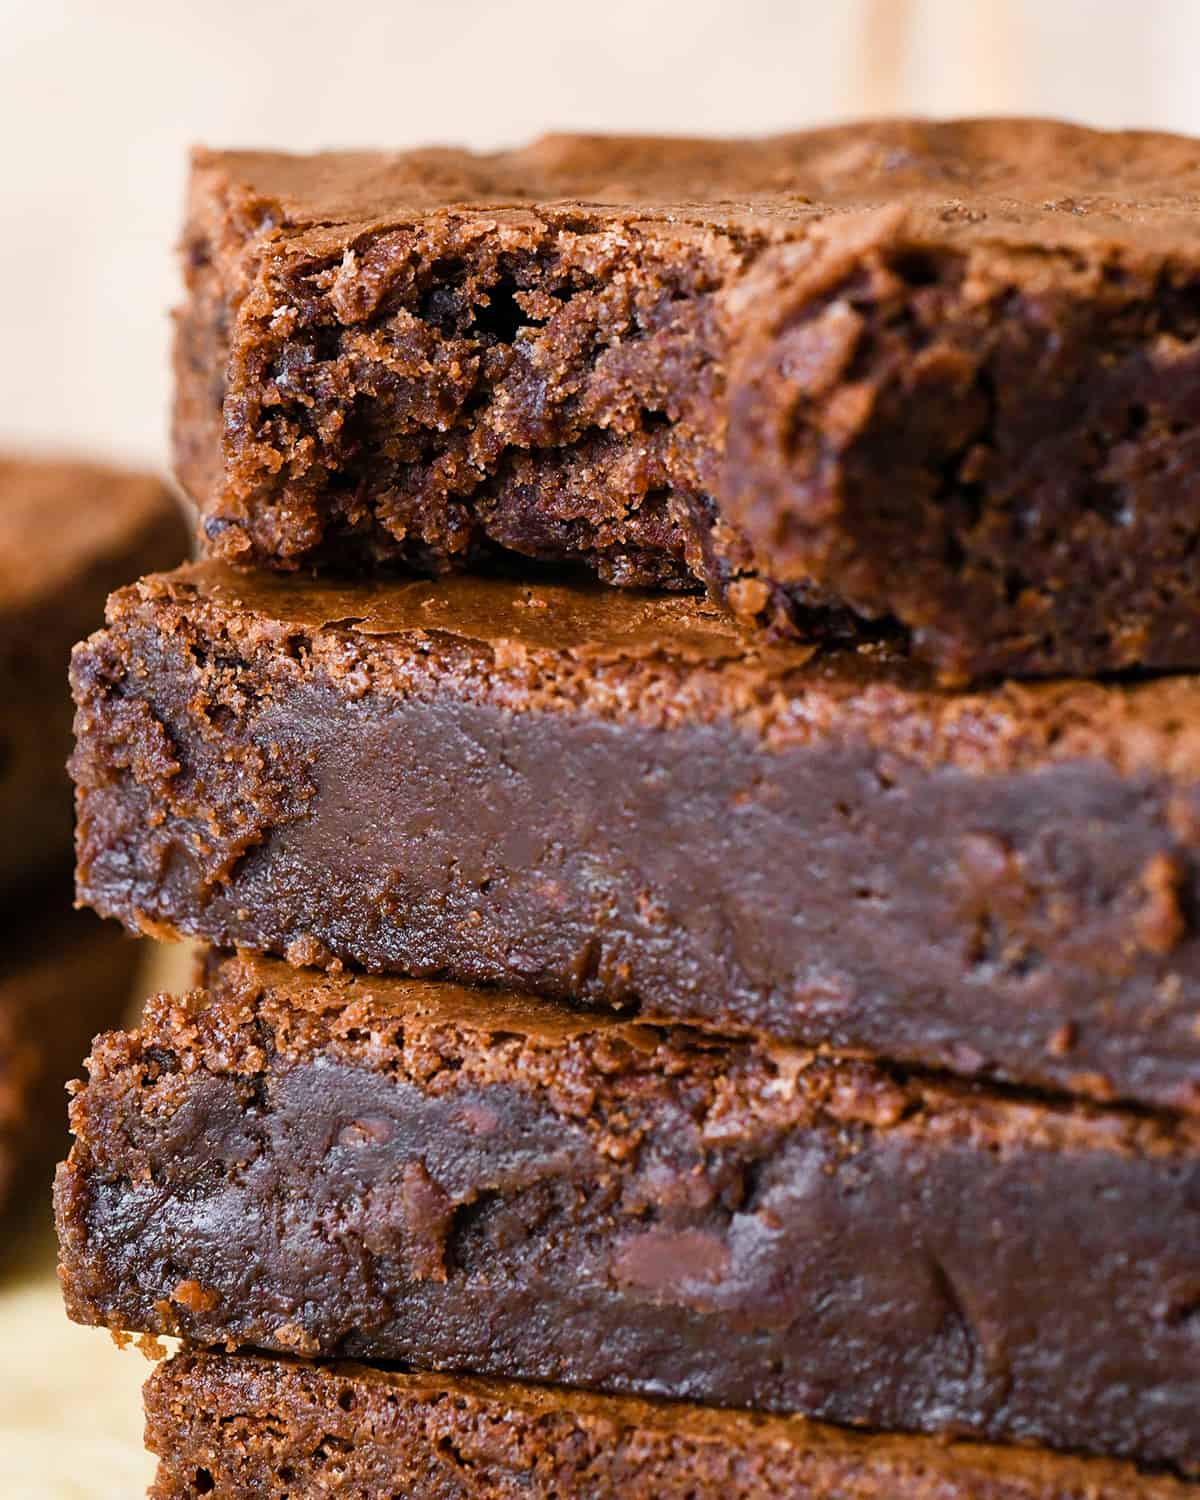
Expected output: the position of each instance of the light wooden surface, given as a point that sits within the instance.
(70, 1400)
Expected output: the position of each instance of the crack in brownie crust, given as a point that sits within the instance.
(939, 375)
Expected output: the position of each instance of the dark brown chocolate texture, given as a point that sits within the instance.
(401, 1170)
(612, 796)
(241, 1428)
(64, 978)
(940, 376)
(70, 533)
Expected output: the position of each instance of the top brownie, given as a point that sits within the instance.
(935, 379)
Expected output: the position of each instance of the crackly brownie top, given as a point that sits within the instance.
(260, 1014)
(656, 660)
(59, 518)
(971, 176)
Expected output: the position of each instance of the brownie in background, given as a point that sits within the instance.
(64, 978)
(70, 533)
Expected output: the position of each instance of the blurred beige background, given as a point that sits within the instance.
(100, 98)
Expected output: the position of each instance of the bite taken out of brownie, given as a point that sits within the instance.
(621, 798)
(397, 1170)
(240, 1427)
(940, 378)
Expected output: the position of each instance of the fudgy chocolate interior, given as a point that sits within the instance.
(621, 798)
(404, 1171)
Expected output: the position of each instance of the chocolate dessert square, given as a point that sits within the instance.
(619, 797)
(241, 1427)
(64, 977)
(70, 533)
(937, 378)
(397, 1170)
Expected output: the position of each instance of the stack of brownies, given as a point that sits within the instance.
(733, 1034)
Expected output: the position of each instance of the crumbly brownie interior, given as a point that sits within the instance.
(934, 375)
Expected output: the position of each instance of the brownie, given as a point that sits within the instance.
(69, 534)
(64, 977)
(232, 1425)
(621, 798)
(941, 378)
(403, 1170)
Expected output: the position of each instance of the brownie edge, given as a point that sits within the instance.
(233, 1426)
(620, 798)
(934, 375)
(412, 1172)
